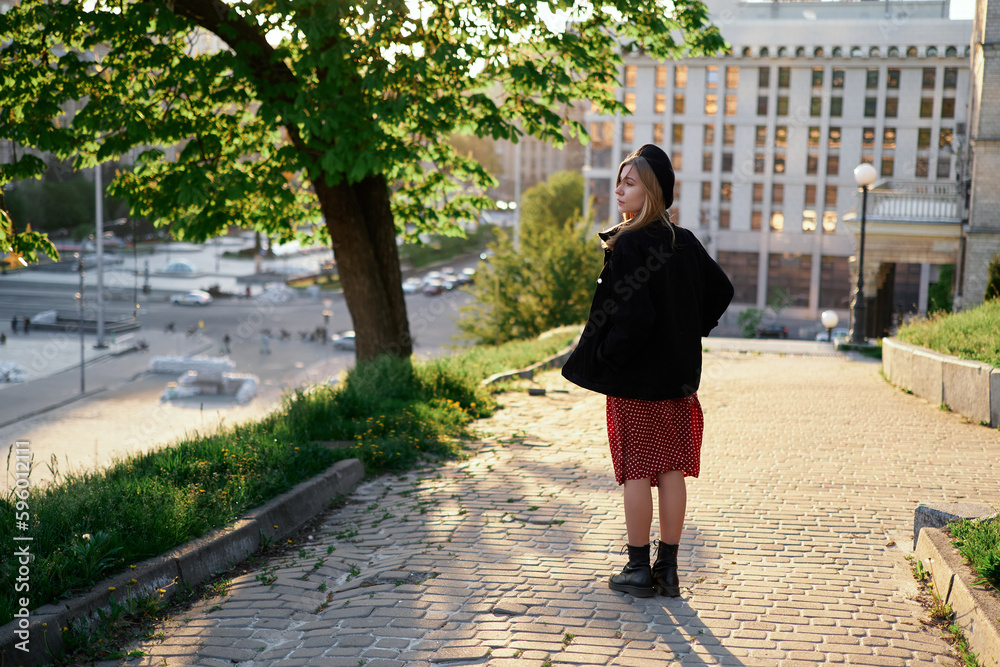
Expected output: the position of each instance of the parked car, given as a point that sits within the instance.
(432, 287)
(772, 331)
(193, 298)
(343, 341)
(466, 276)
(412, 285)
(837, 334)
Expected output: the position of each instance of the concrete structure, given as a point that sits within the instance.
(983, 228)
(765, 140)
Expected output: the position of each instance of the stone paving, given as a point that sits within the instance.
(793, 552)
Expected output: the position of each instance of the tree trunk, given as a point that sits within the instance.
(363, 236)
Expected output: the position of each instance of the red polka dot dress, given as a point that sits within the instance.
(650, 437)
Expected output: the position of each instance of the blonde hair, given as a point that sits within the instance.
(654, 207)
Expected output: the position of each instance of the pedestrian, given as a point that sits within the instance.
(27, 324)
(3, 338)
(657, 295)
(225, 342)
(265, 344)
(13, 324)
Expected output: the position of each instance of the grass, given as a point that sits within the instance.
(979, 543)
(969, 334)
(394, 413)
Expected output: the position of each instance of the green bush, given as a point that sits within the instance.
(549, 281)
(993, 282)
(969, 334)
(939, 294)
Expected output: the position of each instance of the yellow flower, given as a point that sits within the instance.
(134, 581)
(162, 591)
(111, 588)
(132, 566)
(275, 525)
(45, 625)
(65, 629)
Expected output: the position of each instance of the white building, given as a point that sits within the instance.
(765, 140)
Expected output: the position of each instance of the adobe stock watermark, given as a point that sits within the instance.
(22, 542)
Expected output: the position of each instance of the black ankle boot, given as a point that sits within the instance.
(636, 577)
(664, 570)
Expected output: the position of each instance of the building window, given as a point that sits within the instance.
(630, 75)
(837, 52)
(784, 77)
(892, 81)
(944, 138)
(814, 136)
(871, 83)
(944, 166)
(758, 193)
(782, 105)
(681, 76)
(790, 274)
(923, 138)
(836, 107)
(948, 107)
(779, 163)
(927, 107)
(727, 163)
(660, 103)
(661, 76)
(950, 77)
(679, 104)
(730, 105)
(818, 52)
(763, 77)
(678, 133)
(712, 76)
(630, 102)
(777, 194)
(837, 80)
(810, 195)
(781, 136)
(761, 135)
(871, 107)
(817, 77)
(812, 164)
(725, 191)
(706, 191)
(709, 134)
(893, 52)
(868, 137)
(711, 104)
(829, 222)
(658, 133)
(741, 267)
(911, 52)
(834, 279)
(777, 221)
(677, 158)
(628, 133)
(728, 135)
(724, 218)
(830, 196)
(922, 168)
(762, 105)
(928, 78)
(706, 161)
(755, 219)
(832, 165)
(602, 137)
(834, 138)
(888, 164)
(889, 138)
(808, 221)
(732, 77)
(816, 107)
(891, 107)
(677, 191)
(758, 163)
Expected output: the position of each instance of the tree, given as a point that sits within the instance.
(549, 281)
(316, 110)
(993, 279)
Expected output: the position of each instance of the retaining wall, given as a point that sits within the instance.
(970, 388)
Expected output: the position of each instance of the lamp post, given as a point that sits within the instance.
(864, 175)
(829, 319)
(79, 297)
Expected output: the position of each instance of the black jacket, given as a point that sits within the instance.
(651, 308)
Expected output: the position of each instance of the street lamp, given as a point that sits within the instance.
(79, 298)
(829, 320)
(864, 175)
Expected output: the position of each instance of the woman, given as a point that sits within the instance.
(658, 294)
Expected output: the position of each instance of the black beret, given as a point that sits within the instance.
(664, 171)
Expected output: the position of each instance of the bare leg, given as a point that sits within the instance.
(672, 500)
(638, 511)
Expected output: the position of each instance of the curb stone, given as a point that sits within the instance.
(191, 563)
(555, 361)
(977, 609)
